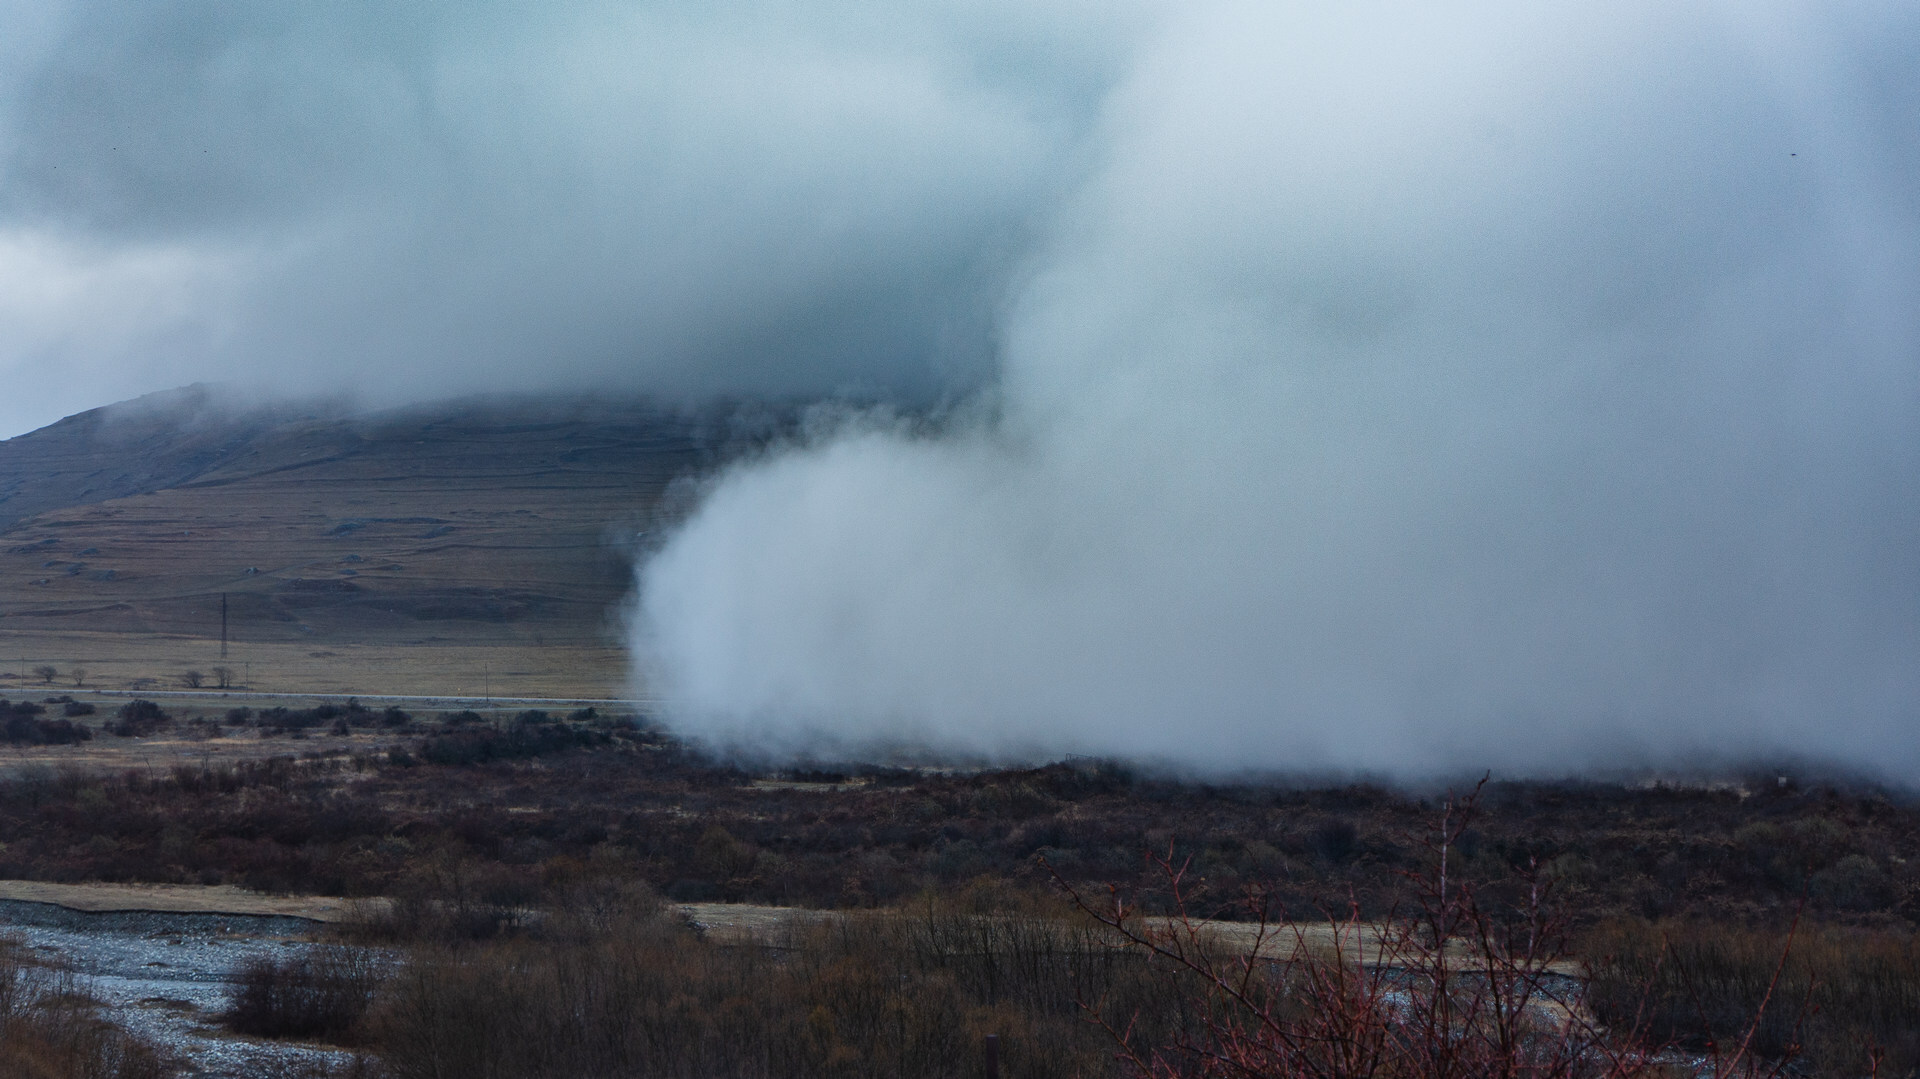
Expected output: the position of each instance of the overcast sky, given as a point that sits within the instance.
(411, 200)
(1407, 388)
(1379, 385)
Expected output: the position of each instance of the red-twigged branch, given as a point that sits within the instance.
(1451, 991)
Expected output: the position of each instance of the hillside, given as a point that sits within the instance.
(430, 549)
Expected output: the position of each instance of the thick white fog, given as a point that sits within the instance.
(1402, 387)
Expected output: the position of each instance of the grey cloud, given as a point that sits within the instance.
(1412, 388)
(411, 200)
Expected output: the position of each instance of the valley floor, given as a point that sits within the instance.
(153, 662)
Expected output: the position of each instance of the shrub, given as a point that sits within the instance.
(138, 718)
(1334, 839)
(297, 721)
(49, 1028)
(78, 708)
(1839, 994)
(856, 996)
(20, 724)
(48, 732)
(530, 734)
(1459, 988)
(323, 993)
(1855, 882)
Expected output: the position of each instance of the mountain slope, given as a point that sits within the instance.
(468, 525)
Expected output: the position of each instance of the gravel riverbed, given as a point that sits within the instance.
(166, 977)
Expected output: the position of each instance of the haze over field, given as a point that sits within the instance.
(1398, 388)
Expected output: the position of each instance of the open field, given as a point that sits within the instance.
(96, 898)
(135, 661)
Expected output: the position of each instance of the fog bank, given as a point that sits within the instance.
(1399, 389)
(411, 201)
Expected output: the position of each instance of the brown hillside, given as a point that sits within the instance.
(391, 552)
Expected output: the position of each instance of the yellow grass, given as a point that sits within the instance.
(134, 661)
(177, 899)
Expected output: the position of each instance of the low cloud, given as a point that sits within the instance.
(410, 201)
(1406, 388)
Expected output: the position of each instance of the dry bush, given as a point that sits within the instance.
(862, 995)
(884, 836)
(321, 993)
(1457, 989)
(50, 1029)
(1842, 994)
(138, 718)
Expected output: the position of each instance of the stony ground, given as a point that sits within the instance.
(164, 976)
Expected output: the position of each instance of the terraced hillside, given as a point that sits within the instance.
(459, 548)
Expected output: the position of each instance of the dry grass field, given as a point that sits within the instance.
(177, 899)
(134, 661)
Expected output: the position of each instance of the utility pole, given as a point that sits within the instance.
(223, 625)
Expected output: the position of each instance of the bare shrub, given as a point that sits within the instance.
(865, 995)
(1842, 995)
(21, 724)
(322, 993)
(139, 717)
(50, 1028)
(1457, 989)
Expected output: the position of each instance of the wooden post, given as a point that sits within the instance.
(993, 1056)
